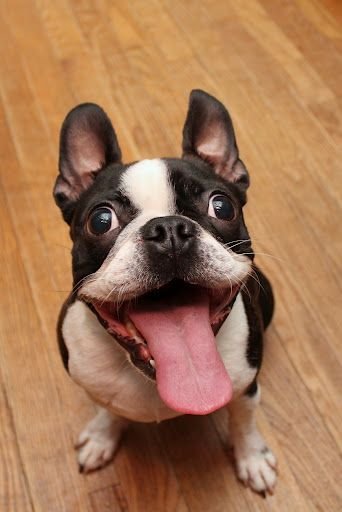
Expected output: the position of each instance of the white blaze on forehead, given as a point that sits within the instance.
(148, 187)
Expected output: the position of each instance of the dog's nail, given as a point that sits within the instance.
(152, 363)
(80, 468)
(263, 494)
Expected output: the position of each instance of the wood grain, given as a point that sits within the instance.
(14, 490)
(277, 66)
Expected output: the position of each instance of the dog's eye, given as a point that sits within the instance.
(221, 207)
(102, 220)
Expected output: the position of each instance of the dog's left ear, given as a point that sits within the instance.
(88, 144)
(208, 134)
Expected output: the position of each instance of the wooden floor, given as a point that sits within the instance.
(277, 65)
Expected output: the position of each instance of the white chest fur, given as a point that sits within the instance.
(100, 365)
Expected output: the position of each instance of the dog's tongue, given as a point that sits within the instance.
(191, 377)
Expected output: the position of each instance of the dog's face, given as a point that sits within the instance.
(159, 245)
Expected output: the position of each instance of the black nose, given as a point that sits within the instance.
(173, 234)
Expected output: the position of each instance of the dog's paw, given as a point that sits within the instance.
(98, 442)
(258, 470)
(95, 452)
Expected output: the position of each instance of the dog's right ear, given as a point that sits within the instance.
(87, 145)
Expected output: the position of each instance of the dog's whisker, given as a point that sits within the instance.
(263, 254)
(236, 243)
(255, 276)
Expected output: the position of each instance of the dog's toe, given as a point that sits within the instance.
(258, 471)
(96, 452)
(98, 441)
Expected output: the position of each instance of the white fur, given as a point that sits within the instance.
(147, 185)
(100, 365)
(232, 341)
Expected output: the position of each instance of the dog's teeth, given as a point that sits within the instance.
(152, 363)
(133, 332)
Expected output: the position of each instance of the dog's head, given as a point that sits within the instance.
(159, 246)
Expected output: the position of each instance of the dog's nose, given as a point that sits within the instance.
(173, 234)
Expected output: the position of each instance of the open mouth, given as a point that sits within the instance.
(169, 334)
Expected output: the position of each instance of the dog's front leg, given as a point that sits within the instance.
(255, 463)
(99, 440)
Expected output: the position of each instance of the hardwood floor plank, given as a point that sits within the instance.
(323, 20)
(109, 499)
(300, 427)
(308, 84)
(146, 476)
(33, 396)
(14, 490)
(313, 39)
(206, 477)
(79, 63)
(21, 195)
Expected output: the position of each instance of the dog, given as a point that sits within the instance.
(167, 311)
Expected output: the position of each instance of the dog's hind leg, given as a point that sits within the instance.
(99, 440)
(255, 463)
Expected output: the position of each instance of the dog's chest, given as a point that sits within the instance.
(100, 365)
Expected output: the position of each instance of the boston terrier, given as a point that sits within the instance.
(167, 311)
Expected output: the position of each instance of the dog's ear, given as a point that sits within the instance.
(208, 134)
(87, 144)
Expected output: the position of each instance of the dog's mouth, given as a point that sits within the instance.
(169, 334)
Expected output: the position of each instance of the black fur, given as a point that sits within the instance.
(266, 298)
(252, 389)
(259, 303)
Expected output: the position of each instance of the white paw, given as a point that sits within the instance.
(97, 443)
(258, 470)
(95, 452)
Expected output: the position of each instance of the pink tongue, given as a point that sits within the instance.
(191, 377)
